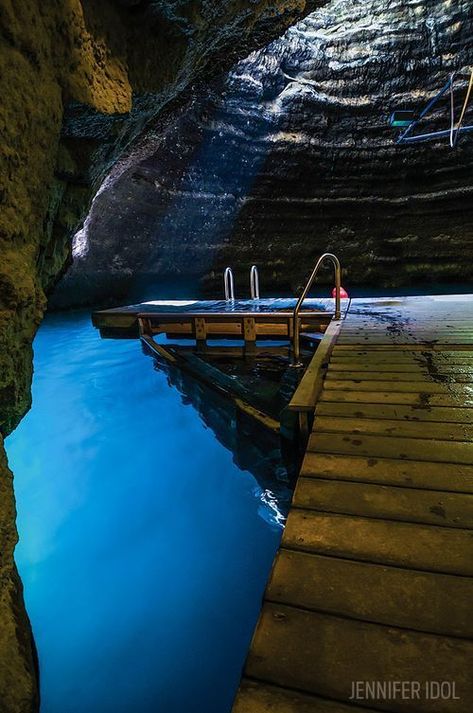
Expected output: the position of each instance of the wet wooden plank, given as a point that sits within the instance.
(323, 654)
(402, 347)
(308, 391)
(463, 399)
(378, 546)
(388, 502)
(441, 414)
(380, 356)
(417, 387)
(401, 544)
(371, 592)
(448, 376)
(260, 697)
(394, 427)
(420, 449)
(354, 365)
(451, 477)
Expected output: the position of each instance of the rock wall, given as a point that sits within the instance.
(80, 80)
(293, 156)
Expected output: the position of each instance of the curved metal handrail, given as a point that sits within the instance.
(254, 283)
(296, 322)
(229, 285)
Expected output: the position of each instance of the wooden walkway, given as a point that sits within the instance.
(374, 578)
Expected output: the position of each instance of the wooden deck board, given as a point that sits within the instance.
(394, 427)
(257, 697)
(401, 544)
(374, 577)
(447, 477)
(398, 412)
(389, 502)
(425, 398)
(432, 451)
(358, 590)
(322, 654)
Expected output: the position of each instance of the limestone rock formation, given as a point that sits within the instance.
(293, 156)
(80, 80)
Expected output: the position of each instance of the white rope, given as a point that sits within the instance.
(455, 130)
(452, 111)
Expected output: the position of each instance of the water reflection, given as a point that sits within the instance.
(144, 543)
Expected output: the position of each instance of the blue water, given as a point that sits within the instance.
(144, 550)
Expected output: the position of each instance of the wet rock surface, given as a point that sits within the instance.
(80, 81)
(291, 156)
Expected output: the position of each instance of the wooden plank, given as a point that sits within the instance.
(448, 325)
(308, 391)
(249, 329)
(441, 414)
(388, 471)
(409, 367)
(158, 349)
(434, 330)
(416, 387)
(259, 697)
(371, 592)
(453, 373)
(324, 655)
(400, 429)
(257, 415)
(448, 377)
(401, 544)
(404, 347)
(262, 352)
(345, 356)
(388, 502)
(276, 315)
(419, 345)
(392, 447)
(456, 399)
(200, 329)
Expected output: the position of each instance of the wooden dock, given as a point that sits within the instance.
(248, 320)
(374, 578)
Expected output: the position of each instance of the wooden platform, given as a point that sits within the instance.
(248, 320)
(374, 578)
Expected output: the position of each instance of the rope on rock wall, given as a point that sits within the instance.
(455, 130)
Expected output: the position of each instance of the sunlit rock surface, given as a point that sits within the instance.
(79, 82)
(294, 156)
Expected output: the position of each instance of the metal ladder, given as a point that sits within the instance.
(296, 349)
(229, 284)
(254, 283)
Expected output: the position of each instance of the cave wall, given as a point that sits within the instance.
(292, 155)
(80, 80)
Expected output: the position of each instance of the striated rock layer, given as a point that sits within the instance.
(80, 80)
(293, 156)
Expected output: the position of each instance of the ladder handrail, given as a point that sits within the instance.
(229, 285)
(296, 324)
(254, 283)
